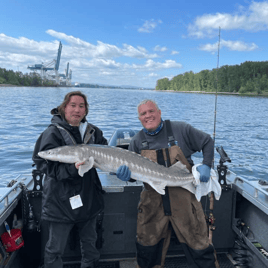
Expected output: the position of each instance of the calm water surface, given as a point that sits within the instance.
(241, 126)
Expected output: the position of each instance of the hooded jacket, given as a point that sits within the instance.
(62, 180)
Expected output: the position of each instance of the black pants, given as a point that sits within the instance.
(58, 235)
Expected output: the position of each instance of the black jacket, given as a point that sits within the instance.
(62, 180)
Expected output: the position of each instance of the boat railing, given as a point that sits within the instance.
(5, 192)
(253, 191)
(9, 196)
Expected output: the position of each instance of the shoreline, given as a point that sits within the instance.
(170, 91)
(8, 85)
(219, 93)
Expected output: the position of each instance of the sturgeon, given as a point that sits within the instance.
(109, 159)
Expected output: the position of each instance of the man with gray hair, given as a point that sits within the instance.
(166, 143)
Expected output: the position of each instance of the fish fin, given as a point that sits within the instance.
(180, 167)
(86, 167)
(159, 187)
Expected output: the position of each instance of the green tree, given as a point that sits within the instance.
(2, 80)
(12, 78)
(162, 84)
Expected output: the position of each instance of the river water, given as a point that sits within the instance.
(241, 122)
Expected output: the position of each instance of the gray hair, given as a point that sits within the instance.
(144, 102)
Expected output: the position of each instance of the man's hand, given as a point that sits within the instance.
(123, 173)
(77, 164)
(204, 171)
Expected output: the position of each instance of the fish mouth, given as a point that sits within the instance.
(41, 154)
(44, 155)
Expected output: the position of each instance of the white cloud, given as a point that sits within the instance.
(230, 45)
(152, 65)
(174, 52)
(101, 63)
(149, 26)
(22, 44)
(159, 48)
(254, 19)
(239, 46)
(149, 65)
(15, 58)
(101, 50)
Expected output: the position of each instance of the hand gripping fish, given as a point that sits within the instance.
(109, 159)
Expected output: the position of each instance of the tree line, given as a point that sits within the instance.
(98, 86)
(248, 77)
(20, 79)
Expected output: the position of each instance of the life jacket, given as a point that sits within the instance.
(68, 137)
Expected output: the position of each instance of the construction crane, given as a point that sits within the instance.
(69, 77)
(66, 79)
(49, 70)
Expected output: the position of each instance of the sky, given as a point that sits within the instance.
(135, 42)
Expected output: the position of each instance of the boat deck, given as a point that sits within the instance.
(117, 239)
(225, 261)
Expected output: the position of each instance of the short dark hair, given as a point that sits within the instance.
(61, 108)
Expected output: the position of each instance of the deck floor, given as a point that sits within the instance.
(171, 262)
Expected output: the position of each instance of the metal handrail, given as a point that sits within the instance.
(14, 187)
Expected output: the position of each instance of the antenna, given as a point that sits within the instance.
(216, 96)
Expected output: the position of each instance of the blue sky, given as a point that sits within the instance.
(132, 42)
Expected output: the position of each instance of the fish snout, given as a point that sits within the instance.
(41, 154)
(44, 154)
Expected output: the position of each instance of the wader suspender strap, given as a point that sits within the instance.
(168, 164)
(165, 198)
(171, 142)
(161, 161)
(171, 139)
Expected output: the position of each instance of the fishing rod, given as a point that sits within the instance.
(216, 95)
(211, 218)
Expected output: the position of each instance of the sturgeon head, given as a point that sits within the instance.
(65, 154)
(70, 154)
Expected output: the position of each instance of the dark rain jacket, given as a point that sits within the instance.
(62, 180)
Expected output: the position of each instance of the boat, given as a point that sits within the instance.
(239, 218)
